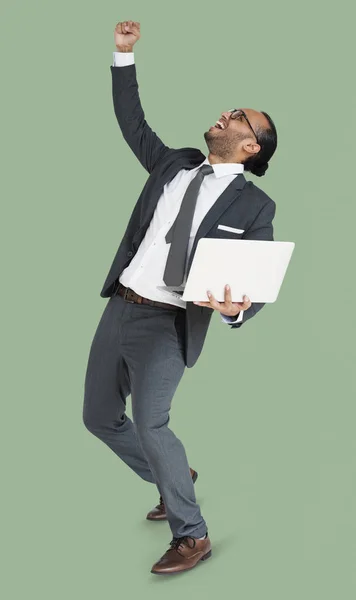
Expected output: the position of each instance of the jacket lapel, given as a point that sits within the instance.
(188, 158)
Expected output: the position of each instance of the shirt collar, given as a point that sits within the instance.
(222, 169)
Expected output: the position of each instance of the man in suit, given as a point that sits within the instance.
(147, 334)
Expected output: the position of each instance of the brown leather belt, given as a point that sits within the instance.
(130, 296)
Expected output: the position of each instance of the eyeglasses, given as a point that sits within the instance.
(237, 113)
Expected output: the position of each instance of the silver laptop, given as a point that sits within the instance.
(253, 267)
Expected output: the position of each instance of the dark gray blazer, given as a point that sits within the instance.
(242, 205)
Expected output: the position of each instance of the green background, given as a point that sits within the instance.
(267, 414)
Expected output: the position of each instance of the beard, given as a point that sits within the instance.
(223, 143)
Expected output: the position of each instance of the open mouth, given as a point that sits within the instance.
(219, 125)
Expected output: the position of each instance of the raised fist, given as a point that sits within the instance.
(126, 34)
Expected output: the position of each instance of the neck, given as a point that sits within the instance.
(214, 159)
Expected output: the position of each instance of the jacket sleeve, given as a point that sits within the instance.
(261, 229)
(144, 142)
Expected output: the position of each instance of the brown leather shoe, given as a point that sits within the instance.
(183, 555)
(158, 513)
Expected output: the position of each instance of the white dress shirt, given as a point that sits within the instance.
(145, 272)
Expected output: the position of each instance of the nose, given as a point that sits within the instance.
(226, 115)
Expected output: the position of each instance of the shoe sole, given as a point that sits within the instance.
(194, 478)
(205, 557)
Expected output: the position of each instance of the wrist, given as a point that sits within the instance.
(124, 48)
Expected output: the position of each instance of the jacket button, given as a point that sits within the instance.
(129, 253)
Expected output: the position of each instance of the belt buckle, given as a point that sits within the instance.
(125, 296)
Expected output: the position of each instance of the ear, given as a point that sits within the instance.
(251, 148)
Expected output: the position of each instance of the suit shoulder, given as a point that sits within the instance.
(258, 194)
(189, 153)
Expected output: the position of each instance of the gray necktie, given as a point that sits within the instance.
(179, 233)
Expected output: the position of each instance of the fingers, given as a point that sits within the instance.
(230, 304)
(213, 303)
(128, 26)
(227, 306)
(227, 294)
(245, 304)
(124, 26)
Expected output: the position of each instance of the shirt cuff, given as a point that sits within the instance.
(231, 320)
(122, 59)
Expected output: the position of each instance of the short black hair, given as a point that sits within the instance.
(267, 138)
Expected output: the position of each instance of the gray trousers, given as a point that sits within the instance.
(137, 349)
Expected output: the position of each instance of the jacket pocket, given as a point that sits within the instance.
(231, 229)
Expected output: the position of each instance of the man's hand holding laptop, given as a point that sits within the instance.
(226, 308)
